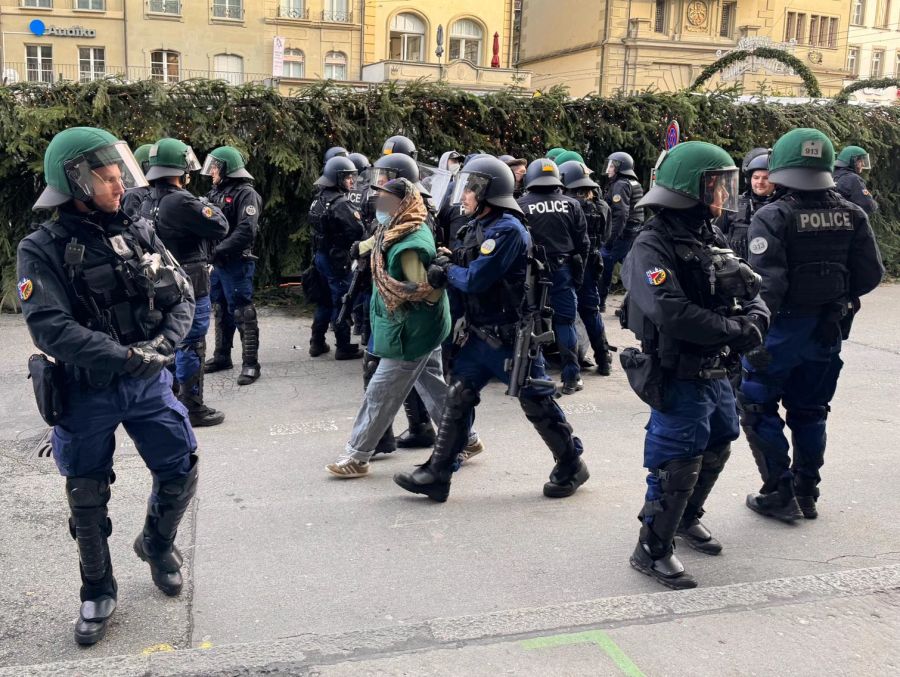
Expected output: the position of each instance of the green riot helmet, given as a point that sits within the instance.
(142, 155)
(553, 153)
(568, 156)
(691, 174)
(171, 157)
(802, 159)
(855, 158)
(82, 163)
(577, 175)
(228, 161)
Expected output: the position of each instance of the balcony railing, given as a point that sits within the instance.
(227, 12)
(74, 73)
(165, 7)
(285, 12)
(338, 16)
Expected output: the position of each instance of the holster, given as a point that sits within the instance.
(645, 376)
(576, 265)
(198, 272)
(48, 379)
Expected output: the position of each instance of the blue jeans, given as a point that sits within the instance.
(187, 359)
(803, 378)
(231, 286)
(338, 284)
(564, 303)
(84, 440)
(699, 415)
(612, 254)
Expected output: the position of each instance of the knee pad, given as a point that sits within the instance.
(678, 475)
(245, 313)
(752, 412)
(460, 397)
(715, 458)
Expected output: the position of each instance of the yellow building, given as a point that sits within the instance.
(874, 47)
(284, 43)
(634, 45)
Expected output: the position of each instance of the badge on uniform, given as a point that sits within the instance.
(656, 276)
(759, 245)
(488, 247)
(208, 212)
(25, 288)
(250, 210)
(617, 198)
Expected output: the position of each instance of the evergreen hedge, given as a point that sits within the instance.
(285, 138)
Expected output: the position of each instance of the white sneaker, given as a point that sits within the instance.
(348, 468)
(472, 449)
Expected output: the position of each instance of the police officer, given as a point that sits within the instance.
(518, 166)
(691, 303)
(131, 202)
(491, 272)
(336, 224)
(359, 197)
(579, 185)
(851, 163)
(623, 195)
(189, 227)
(817, 255)
(231, 284)
(557, 224)
(400, 145)
(335, 151)
(103, 297)
(758, 193)
(553, 153)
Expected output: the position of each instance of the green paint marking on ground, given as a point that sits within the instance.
(601, 639)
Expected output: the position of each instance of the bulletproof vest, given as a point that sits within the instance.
(739, 226)
(550, 221)
(500, 303)
(599, 224)
(635, 214)
(455, 220)
(329, 232)
(185, 246)
(122, 285)
(818, 237)
(225, 196)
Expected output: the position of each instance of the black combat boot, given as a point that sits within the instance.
(156, 543)
(655, 551)
(570, 472)
(432, 479)
(317, 344)
(387, 444)
(780, 503)
(348, 351)
(691, 529)
(603, 355)
(807, 493)
(90, 526)
(224, 342)
(200, 415)
(248, 326)
(420, 434)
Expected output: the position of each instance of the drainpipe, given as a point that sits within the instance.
(125, 32)
(603, 49)
(627, 52)
(362, 36)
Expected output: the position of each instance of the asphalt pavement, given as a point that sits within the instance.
(290, 571)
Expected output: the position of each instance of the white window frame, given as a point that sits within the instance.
(858, 13)
(853, 61)
(228, 10)
(464, 40)
(406, 36)
(78, 5)
(164, 64)
(92, 72)
(333, 61)
(229, 75)
(726, 25)
(43, 61)
(877, 57)
(164, 7)
(294, 57)
(38, 4)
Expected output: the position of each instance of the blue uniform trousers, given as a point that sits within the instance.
(231, 286)
(611, 256)
(338, 284)
(187, 360)
(564, 303)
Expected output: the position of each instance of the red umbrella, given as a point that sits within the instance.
(495, 60)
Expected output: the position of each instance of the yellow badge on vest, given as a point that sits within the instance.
(488, 247)
(617, 198)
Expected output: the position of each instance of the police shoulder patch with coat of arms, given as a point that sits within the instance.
(656, 276)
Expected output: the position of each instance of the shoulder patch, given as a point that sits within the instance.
(656, 276)
(488, 246)
(759, 245)
(25, 288)
(208, 212)
(250, 210)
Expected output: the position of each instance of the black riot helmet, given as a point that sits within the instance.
(400, 145)
(337, 169)
(394, 166)
(361, 161)
(336, 151)
(575, 175)
(623, 163)
(542, 173)
(758, 158)
(490, 179)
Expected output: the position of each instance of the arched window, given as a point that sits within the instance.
(165, 65)
(335, 66)
(229, 67)
(466, 39)
(407, 38)
(294, 63)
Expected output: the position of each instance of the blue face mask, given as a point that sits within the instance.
(383, 218)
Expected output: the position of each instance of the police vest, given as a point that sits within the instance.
(598, 222)
(635, 214)
(550, 221)
(818, 236)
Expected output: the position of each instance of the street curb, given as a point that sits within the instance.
(290, 655)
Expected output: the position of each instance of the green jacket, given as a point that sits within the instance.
(414, 329)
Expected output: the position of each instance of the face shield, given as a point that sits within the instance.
(210, 163)
(863, 162)
(471, 186)
(191, 163)
(719, 189)
(436, 181)
(104, 171)
(380, 176)
(347, 179)
(363, 179)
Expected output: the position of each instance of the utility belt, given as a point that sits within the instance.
(835, 319)
(692, 367)
(557, 261)
(497, 335)
(198, 272)
(50, 380)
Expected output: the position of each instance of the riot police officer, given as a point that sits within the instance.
(518, 166)
(103, 297)
(578, 182)
(557, 224)
(490, 272)
(817, 255)
(554, 153)
(189, 227)
(692, 303)
(623, 195)
(400, 145)
(755, 168)
(851, 162)
(335, 151)
(336, 224)
(234, 264)
(131, 202)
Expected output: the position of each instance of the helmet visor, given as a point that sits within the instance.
(469, 182)
(104, 169)
(863, 162)
(363, 179)
(210, 162)
(191, 163)
(612, 165)
(381, 175)
(719, 189)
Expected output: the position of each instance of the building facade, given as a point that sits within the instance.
(874, 48)
(635, 45)
(284, 43)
